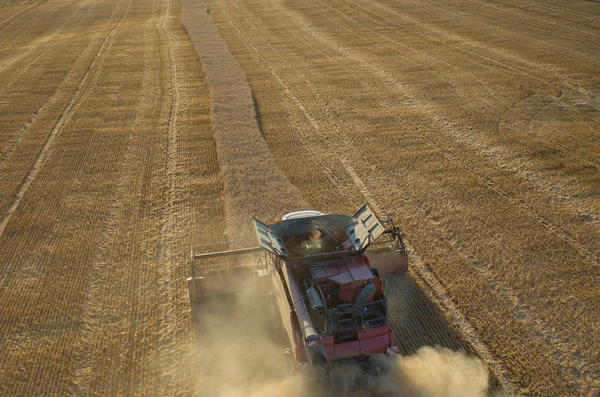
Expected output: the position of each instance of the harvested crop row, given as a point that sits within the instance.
(254, 185)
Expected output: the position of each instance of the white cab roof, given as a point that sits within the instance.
(301, 214)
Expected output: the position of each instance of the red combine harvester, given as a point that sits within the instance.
(323, 276)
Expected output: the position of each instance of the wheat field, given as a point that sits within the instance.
(108, 170)
(475, 125)
(132, 130)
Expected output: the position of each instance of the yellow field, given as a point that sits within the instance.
(108, 169)
(475, 124)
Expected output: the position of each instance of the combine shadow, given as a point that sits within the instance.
(417, 322)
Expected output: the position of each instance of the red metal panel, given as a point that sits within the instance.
(358, 267)
(329, 352)
(380, 339)
(352, 268)
(347, 350)
(373, 332)
(378, 344)
(342, 277)
(348, 295)
(343, 270)
(327, 339)
(300, 354)
(379, 286)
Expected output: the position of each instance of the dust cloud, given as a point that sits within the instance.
(238, 352)
(240, 355)
(436, 372)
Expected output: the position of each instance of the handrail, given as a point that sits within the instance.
(261, 258)
(225, 242)
(217, 254)
(333, 313)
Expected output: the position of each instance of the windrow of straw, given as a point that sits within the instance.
(254, 186)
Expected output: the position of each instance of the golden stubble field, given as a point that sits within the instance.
(108, 167)
(474, 124)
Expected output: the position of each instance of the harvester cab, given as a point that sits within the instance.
(327, 295)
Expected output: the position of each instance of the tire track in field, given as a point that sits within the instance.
(436, 291)
(450, 39)
(533, 23)
(567, 79)
(60, 8)
(542, 329)
(500, 56)
(467, 332)
(543, 5)
(21, 71)
(486, 182)
(442, 297)
(538, 329)
(147, 236)
(72, 232)
(590, 256)
(16, 36)
(22, 12)
(525, 207)
(54, 31)
(438, 32)
(81, 93)
(125, 264)
(296, 71)
(9, 147)
(403, 90)
(488, 96)
(176, 181)
(337, 195)
(519, 10)
(24, 68)
(359, 184)
(175, 208)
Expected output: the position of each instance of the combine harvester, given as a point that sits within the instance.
(320, 278)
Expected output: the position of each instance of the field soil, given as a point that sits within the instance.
(474, 124)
